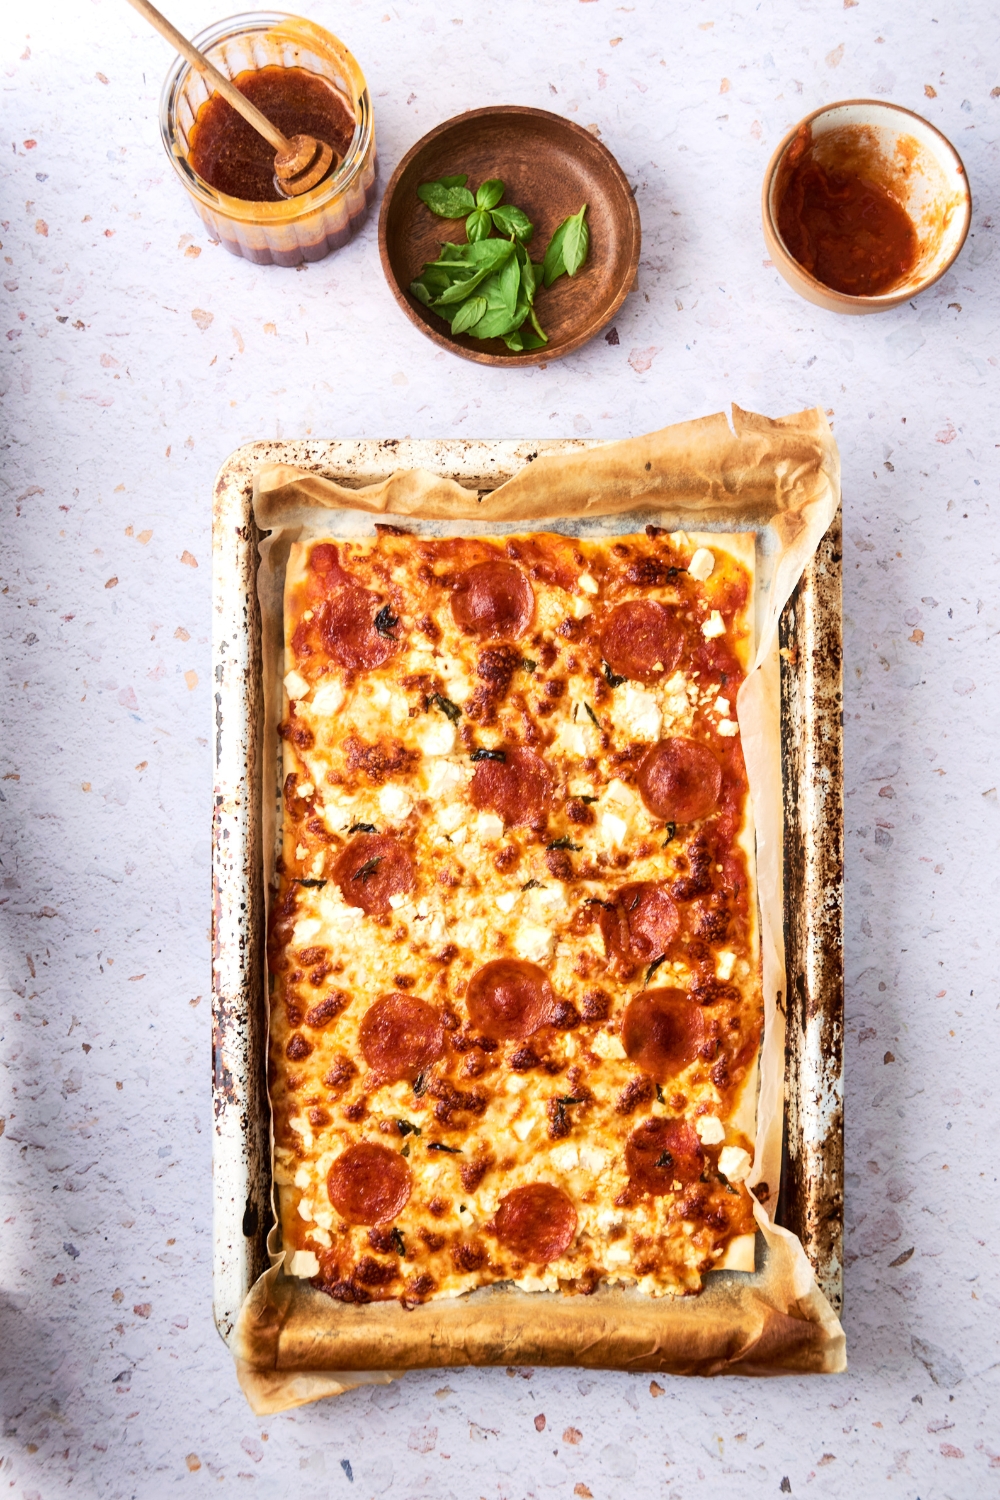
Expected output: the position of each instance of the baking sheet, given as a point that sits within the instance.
(780, 478)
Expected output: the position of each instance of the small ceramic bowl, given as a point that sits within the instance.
(913, 160)
(549, 167)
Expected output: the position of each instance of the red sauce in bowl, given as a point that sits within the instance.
(229, 154)
(843, 226)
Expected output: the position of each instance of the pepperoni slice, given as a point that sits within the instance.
(641, 924)
(493, 601)
(369, 1184)
(400, 1036)
(642, 640)
(537, 1222)
(662, 1031)
(324, 559)
(348, 628)
(509, 999)
(680, 779)
(662, 1152)
(517, 788)
(373, 867)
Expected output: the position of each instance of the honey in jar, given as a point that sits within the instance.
(228, 154)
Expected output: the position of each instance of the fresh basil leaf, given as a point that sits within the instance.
(527, 274)
(459, 180)
(533, 334)
(499, 319)
(488, 194)
(510, 220)
(421, 293)
(480, 252)
(576, 242)
(478, 225)
(446, 202)
(469, 313)
(514, 341)
(459, 290)
(510, 284)
(553, 265)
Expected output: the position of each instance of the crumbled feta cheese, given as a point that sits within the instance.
(523, 1127)
(588, 584)
(336, 913)
(328, 698)
(444, 777)
(548, 895)
(636, 712)
(533, 943)
(613, 828)
(728, 728)
(304, 929)
(398, 901)
(306, 1209)
(594, 1158)
(380, 695)
(507, 901)
(722, 707)
(296, 686)
(322, 1237)
(437, 736)
(713, 626)
(489, 827)
(710, 1130)
(618, 792)
(734, 1163)
(617, 1255)
(450, 818)
(394, 801)
(581, 609)
(305, 789)
(302, 1263)
(572, 738)
(581, 789)
(608, 1047)
(724, 964)
(565, 1157)
(702, 564)
(302, 1178)
(301, 851)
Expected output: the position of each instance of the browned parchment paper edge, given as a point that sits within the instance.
(778, 477)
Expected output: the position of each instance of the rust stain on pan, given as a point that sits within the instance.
(811, 1201)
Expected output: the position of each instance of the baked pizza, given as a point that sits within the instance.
(516, 1001)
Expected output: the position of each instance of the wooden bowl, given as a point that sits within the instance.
(550, 168)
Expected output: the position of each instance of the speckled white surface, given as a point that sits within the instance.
(136, 356)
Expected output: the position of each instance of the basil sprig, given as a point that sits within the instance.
(567, 249)
(487, 286)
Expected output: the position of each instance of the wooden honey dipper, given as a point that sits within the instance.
(300, 162)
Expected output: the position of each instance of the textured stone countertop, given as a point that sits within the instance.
(136, 356)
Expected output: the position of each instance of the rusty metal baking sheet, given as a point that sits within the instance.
(811, 1196)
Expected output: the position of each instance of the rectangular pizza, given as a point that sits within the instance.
(516, 1000)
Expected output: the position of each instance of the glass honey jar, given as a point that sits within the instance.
(287, 231)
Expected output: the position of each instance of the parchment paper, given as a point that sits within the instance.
(779, 478)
